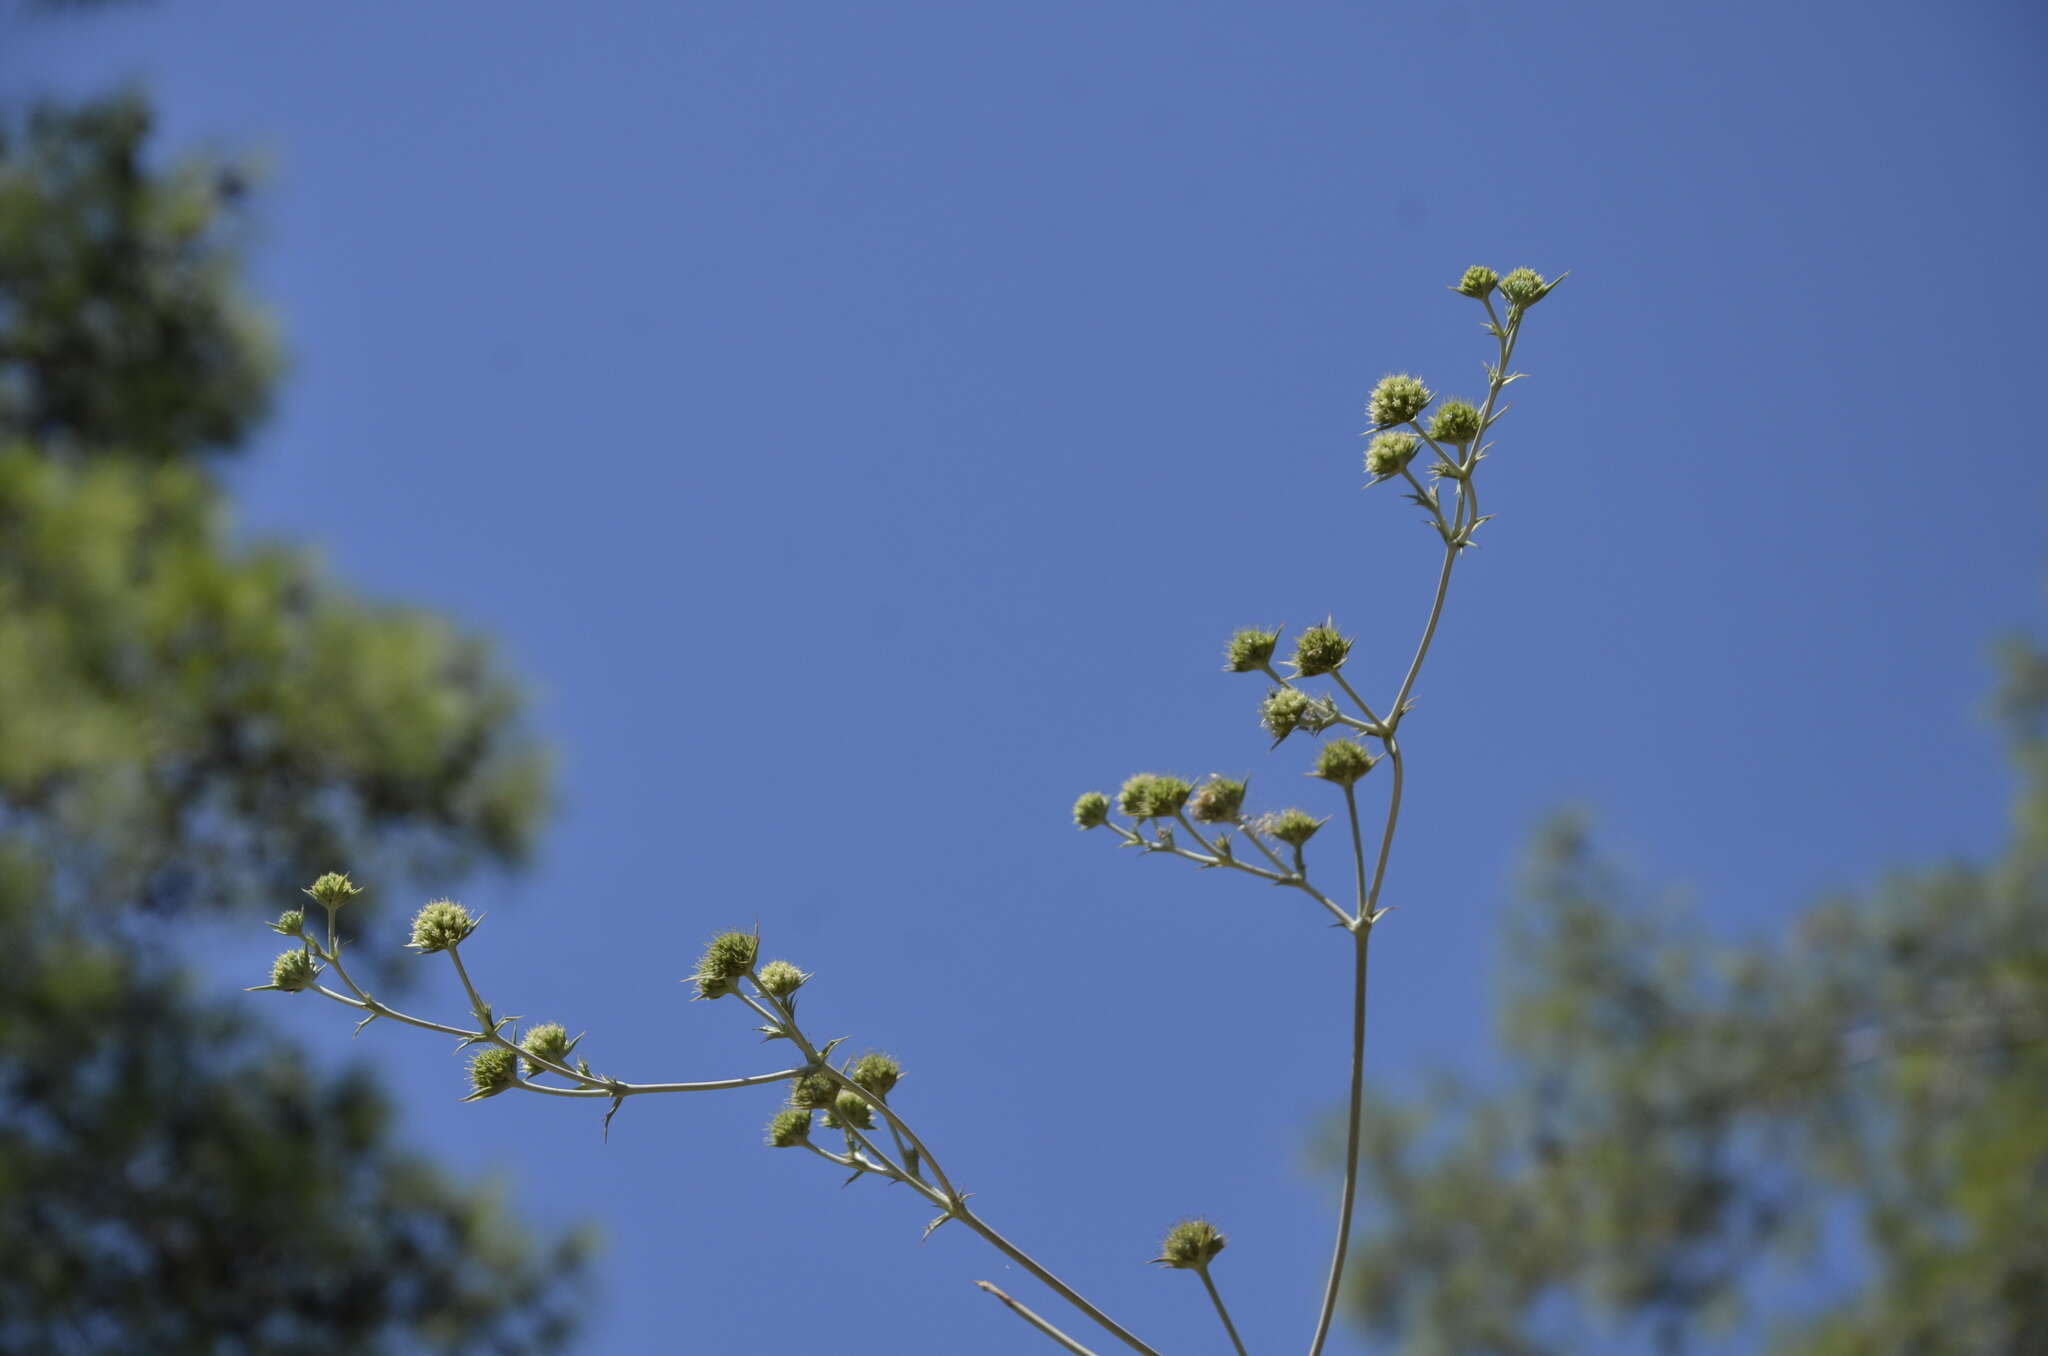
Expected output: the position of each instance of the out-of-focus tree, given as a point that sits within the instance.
(191, 723)
(1695, 1136)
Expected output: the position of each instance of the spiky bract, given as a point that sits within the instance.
(1250, 650)
(1191, 1245)
(493, 1070)
(293, 971)
(1319, 650)
(1343, 761)
(1397, 399)
(440, 924)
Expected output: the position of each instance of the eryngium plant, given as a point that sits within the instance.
(845, 1104)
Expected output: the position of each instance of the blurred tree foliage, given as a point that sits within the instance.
(1833, 1146)
(190, 723)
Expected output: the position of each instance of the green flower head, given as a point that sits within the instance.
(1524, 287)
(1343, 761)
(729, 956)
(790, 1128)
(441, 924)
(293, 972)
(1320, 649)
(1387, 453)
(782, 979)
(1397, 399)
(814, 1089)
(1455, 422)
(1151, 795)
(333, 890)
(547, 1041)
(1218, 802)
(877, 1073)
(1286, 710)
(291, 923)
(1091, 811)
(1478, 281)
(1250, 650)
(849, 1109)
(1292, 827)
(1191, 1245)
(493, 1070)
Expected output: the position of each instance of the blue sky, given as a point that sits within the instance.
(863, 425)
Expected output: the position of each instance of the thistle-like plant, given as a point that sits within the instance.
(846, 1103)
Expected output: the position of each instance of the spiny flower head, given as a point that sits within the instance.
(441, 924)
(790, 1128)
(548, 1041)
(1455, 422)
(849, 1109)
(1524, 287)
(729, 956)
(1250, 650)
(291, 923)
(1218, 802)
(1285, 710)
(1343, 761)
(1478, 281)
(1397, 399)
(1152, 795)
(782, 979)
(1091, 811)
(333, 890)
(876, 1072)
(814, 1089)
(293, 971)
(1387, 453)
(1320, 649)
(492, 1071)
(1191, 1245)
(1292, 827)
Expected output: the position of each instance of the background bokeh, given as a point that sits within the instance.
(861, 427)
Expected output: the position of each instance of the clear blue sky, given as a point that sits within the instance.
(863, 425)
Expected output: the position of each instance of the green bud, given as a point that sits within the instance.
(547, 1041)
(1320, 650)
(1292, 827)
(333, 890)
(1478, 281)
(813, 1090)
(1151, 795)
(291, 923)
(1091, 811)
(1284, 711)
(1455, 422)
(848, 1109)
(1218, 802)
(1343, 761)
(876, 1072)
(1387, 453)
(791, 1127)
(782, 979)
(1397, 399)
(1250, 650)
(441, 924)
(1524, 287)
(1191, 1245)
(730, 955)
(493, 1070)
(293, 971)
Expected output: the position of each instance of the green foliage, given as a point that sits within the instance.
(1683, 1113)
(125, 328)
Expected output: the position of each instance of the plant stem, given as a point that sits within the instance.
(1065, 1292)
(1222, 1312)
(1035, 1321)
(1363, 939)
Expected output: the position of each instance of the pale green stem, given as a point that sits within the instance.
(1035, 1321)
(1379, 870)
(1362, 937)
(1357, 844)
(1221, 1312)
(1338, 674)
(1023, 1259)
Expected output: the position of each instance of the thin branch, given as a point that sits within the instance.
(1221, 1312)
(1363, 938)
(1035, 1321)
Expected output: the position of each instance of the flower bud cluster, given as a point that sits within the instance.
(1287, 709)
(782, 979)
(1320, 650)
(293, 972)
(441, 924)
(1292, 827)
(1456, 422)
(1524, 287)
(849, 1109)
(724, 962)
(333, 890)
(791, 1127)
(1250, 650)
(1151, 795)
(1387, 453)
(1397, 399)
(1191, 1245)
(550, 1042)
(877, 1073)
(1343, 761)
(291, 923)
(493, 1070)
(1219, 801)
(1478, 282)
(1091, 811)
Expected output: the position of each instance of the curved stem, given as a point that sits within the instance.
(1364, 939)
(1222, 1312)
(1358, 844)
(1379, 871)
